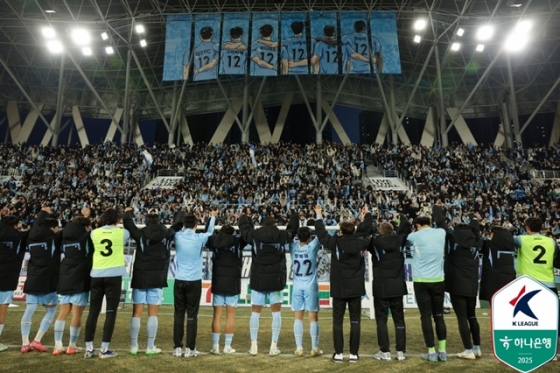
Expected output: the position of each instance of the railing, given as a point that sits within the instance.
(170, 172)
(545, 174)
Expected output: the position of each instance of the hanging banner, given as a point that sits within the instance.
(177, 47)
(206, 50)
(359, 50)
(235, 41)
(264, 45)
(325, 58)
(383, 26)
(294, 42)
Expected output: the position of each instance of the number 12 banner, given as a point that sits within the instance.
(235, 44)
(206, 49)
(294, 43)
(265, 56)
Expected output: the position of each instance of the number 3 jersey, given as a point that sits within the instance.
(108, 255)
(304, 264)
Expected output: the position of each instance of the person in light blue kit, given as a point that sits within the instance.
(326, 54)
(233, 60)
(429, 280)
(295, 50)
(205, 56)
(264, 54)
(305, 295)
(188, 282)
(360, 52)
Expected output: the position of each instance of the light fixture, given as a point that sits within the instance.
(455, 46)
(420, 24)
(516, 42)
(460, 31)
(140, 28)
(50, 11)
(523, 26)
(143, 43)
(86, 51)
(81, 36)
(109, 50)
(417, 38)
(48, 32)
(485, 33)
(55, 46)
(480, 47)
(104, 36)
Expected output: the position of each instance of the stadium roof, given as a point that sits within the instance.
(97, 83)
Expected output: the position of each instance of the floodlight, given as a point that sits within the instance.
(140, 28)
(417, 38)
(86, 51)
(48, 32)
(420, 24)
(50, 11)
(455, 46)
(485, 33)
(55, 46)
(104, 36)
(143, 43)
(109, 50)
(480, 47)
(460, 31)
(523, 26)
(81, 36)
(516, 42)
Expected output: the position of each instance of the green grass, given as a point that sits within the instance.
(13, 360)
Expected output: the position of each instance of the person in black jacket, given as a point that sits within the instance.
(149, 274)
(12, 252)
(498, 263)
(74, 280)
(389, 286)
(227, 261)
(461, 280)
(268, 271)
(40, 286)
(347, 277)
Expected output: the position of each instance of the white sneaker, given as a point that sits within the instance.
(477, 352)
(466, 355)
(178, 352)
(400, 356)
(298, 352)
(254, 350)
(316, 352)
(3, 347)
(337, 358)
(385, 356)
(353, 358)
(215, 350)
(274, 351)
(228, 350)
(153, 351)
(191, 353)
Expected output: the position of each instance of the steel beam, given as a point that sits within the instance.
(230, 106)
(334, 102)
(319, 110)
(245, 129)
(535, 112)
(306, 101)
(513, 103)
(442, 121)
(126, 104)
(59, 102)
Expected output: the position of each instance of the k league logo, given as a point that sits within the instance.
(521, 305)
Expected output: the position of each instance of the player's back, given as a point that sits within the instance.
(304, 263)
(329, 57)
(204, 53)
(296, 49)
(266, 54)
(358, 43)
(233, 61)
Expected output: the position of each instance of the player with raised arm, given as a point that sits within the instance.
(305, 295)
(360, 52)
(264, 54)
(326, 54)
(234, 53)
(205, 56)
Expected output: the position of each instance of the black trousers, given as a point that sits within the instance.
(430, 297)
(382, 307)
(187, 299)
(339, 309)
(110, 287)
(464, 308)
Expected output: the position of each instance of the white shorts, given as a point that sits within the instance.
(305, 300)
(6, 297)
(259, 299)
(50, 299)
(152, 297)
(224, 300)
(76, 299)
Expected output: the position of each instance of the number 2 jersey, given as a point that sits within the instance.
(536, 256)
(304, 264)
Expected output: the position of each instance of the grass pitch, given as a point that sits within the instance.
(13, 361)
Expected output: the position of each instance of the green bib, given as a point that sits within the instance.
(109, 248)
(535, 257)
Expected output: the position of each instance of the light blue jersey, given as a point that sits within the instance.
(204, 53)
(358, 43)
(188, 252)
(328, 57)
(427, 255)
(295, 50)
(304, 263)
(233, 60)
(266, 54)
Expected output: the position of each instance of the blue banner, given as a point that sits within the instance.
(177, 47)
(294, 43)
(264, 45)
(206, 51)
(383, 27)
(325, 58)
(235, 41)
(359, 50)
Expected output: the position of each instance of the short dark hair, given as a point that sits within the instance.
(346, 228)
(152, 219)
(190, 221)
(49, 223)
(297, 27)
(329, 31)
(82, 220)
(304, 234)
(227, 229)
(10, 220)
(266, 30)
(268, 221)
(236, 32)
(206, 32)
(110, 217)
(463, 226)
(386, 229)
(359, 26)
(422, 220)
(534, 224)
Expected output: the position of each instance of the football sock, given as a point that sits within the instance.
(1, 328)
(298, 333)
(229, 338)
(441, 345)
(104, 346)
(276, 326)
(74, 334)
(134, 331)
(431, 350)
(45, 323)
(215, 338)
(58, 332)
(254, 325)
(152, 327)
(26, 323)
(314, 330)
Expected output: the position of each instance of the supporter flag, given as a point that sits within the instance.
(147, 158)
(252, 153)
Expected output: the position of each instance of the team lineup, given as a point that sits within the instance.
(78, 266)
